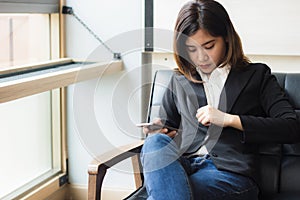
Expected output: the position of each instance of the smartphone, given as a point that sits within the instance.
(151, 126)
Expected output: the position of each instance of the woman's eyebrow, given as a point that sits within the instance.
(205, 43)
(190, 45)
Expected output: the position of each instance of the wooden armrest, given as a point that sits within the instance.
(97, 168)
(114, 156)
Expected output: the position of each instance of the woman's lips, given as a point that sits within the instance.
(204, 66)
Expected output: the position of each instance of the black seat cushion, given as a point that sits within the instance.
(283, 196)
(139, 194)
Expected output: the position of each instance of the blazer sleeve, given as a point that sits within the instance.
(168, 111)
(281, 124)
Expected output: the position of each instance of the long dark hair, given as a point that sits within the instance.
(212, 17)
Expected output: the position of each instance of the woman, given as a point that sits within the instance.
(223, 106)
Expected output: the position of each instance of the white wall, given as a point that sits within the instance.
(269, 30)
(94, 122)
(269, 27)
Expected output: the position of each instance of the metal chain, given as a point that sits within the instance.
(69, 10)
(92, 33)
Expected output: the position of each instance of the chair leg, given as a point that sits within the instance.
(137, 170)
(92, 187)
(95, 183)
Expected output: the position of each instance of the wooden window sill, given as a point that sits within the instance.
(64, 73)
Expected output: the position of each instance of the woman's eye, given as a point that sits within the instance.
(191, 49)
(209, 46)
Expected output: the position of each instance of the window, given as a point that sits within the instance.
(32, 98)
(31, 143)
(26, 142)
(24, 39)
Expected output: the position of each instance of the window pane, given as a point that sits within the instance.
(25, 145)
(24, 39)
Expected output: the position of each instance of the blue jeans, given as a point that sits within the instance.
(168, 176)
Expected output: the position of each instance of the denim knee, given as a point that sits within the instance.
(159, 150)
(155, 142)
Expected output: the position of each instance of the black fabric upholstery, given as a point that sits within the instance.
(291, 86)
(160, 83)
(279, 164)
(269, 168)
(139, 194)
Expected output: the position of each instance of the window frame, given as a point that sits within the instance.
(56, 82)
(29, 6)
(52, 180)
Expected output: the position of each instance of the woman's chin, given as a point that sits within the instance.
(208, 69)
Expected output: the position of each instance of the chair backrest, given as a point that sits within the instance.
(290, 157)
(160, 83)
(279, 164)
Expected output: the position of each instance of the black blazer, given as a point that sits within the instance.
(254, 94)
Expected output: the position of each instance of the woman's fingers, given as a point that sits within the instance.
(172, 134)
(207, 115)
(203, 115)
(166, 131)
(147, 130)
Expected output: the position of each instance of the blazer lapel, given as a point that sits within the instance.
(236, 81)
(193, 92)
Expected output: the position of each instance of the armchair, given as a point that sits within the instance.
(279, 170)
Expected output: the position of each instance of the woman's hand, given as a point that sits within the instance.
(166, 131)
(207, 115)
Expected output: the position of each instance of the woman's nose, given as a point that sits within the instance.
(202, 55)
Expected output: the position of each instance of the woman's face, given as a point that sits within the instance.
(205, 51)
